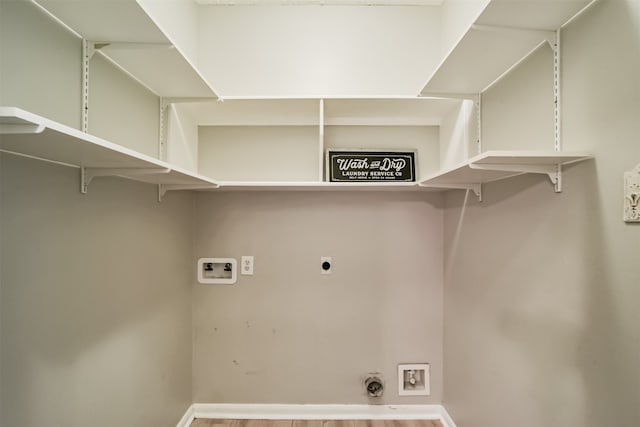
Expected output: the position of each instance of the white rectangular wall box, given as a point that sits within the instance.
(413, 379)
(217, 271)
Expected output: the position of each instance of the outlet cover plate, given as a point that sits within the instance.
(246, 265)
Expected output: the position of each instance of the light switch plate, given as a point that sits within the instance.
(246, 265)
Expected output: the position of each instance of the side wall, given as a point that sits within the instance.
(41, 63)
(541, 289)
(289, 334)
(95, 300)
(41, 73)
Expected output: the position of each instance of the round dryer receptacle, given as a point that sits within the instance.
(374, 386)
(326, 265)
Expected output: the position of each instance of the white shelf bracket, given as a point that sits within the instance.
(556, 179)
(117, 45)
(20, 128)
(448, 95)
(544, 35)
(163, 188)
(88, 174)
(186, 99)
(550, 170)
(476, 188)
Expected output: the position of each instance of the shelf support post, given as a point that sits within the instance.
(557, 118)
(88, 174)
(162, 131)
(88, 50)
(478, 102)
(321, 173)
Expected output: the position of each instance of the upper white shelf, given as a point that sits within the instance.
(315, 111)
(387, 112)
(132, 40)
(27, 134)
(504, 33)
(495, 165)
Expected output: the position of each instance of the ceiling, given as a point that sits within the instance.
(324, 2)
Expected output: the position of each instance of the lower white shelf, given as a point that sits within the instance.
(317, 186)
(27, 134)
(496, 165)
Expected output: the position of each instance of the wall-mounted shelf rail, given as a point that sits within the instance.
(496, 165)
(503, 35)
(27, 134)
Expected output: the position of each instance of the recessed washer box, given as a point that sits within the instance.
(217, 271)
(413, 379)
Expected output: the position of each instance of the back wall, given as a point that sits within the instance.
(289, 334)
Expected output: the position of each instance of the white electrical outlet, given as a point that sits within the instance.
(246, 265)
(631, 212)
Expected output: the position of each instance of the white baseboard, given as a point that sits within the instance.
(446, 419)
(322, 412)
(187, 418)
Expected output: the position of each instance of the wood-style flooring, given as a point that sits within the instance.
(201, 422)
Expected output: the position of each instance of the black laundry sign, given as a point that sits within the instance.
(365, 166)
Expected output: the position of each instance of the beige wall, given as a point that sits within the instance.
(1, 352)
(40, 72)
(289, 334)
(121, 110)
(40, 64)
(102, 323)
(541, 289)
(95, 300)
